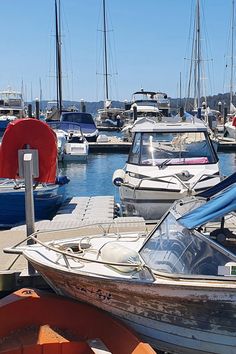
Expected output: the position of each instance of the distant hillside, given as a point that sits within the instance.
(92, 107)
(212, 101)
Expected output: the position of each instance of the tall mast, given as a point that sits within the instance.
(40, 94)
(58, 55)
(105, 51)
(198, 61)
(232, 58)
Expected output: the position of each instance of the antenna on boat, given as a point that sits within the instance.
(58, 54)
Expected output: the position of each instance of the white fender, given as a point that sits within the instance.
(118, 177)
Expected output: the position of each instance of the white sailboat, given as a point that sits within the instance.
(230, 125)
(55, 107)
(200, 109)
(108, 115)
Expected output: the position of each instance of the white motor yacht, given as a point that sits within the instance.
(144, 104)
(168, 160)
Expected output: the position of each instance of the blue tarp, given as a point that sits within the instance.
(218, 187)
(217, 207)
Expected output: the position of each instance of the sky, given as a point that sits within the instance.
(148, 43)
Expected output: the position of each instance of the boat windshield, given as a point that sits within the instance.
(174, 249)
(172, 148)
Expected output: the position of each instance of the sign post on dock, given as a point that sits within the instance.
(28, 168)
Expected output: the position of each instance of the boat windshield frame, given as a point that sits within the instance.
(175, 251)
(147, 150)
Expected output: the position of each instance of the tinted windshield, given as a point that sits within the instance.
(179, 148)
(77, 118)
(177, 250)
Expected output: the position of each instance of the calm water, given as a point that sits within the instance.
(95, 176)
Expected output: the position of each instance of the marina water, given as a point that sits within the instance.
(94, 177)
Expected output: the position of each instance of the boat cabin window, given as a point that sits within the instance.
(134, 155)
(174, 148)
(176, 250)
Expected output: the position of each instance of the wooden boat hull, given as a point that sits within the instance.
(176, 316)
(36, 322)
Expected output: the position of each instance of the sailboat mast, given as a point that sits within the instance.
(105, 51)
(58, 56)
(232, 58)
(198, 62)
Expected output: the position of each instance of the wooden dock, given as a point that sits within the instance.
(113, 145)
(226, 144)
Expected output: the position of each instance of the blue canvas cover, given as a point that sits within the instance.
(217, 207)
(218, 187)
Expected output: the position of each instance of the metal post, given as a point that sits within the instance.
(30, 110)
(29, 200)
(37, 108)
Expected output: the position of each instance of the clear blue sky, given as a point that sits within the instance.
(149, 41)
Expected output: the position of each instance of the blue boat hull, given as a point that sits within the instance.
(47, 200)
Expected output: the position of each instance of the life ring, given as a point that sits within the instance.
(36, 135)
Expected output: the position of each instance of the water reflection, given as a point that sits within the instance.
(94, 177)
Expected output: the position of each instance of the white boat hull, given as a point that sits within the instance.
(153, 201)
(231, 130)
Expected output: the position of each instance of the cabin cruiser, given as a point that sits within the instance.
(86, 122)
(144, 104)
(71, 143)
(168, 160)
(11, 107)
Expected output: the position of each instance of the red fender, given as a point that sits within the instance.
(38, 135)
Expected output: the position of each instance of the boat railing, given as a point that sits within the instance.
(105, 229)
(185, 185)
(81, 244)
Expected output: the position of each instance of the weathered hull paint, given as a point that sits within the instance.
(173, 316)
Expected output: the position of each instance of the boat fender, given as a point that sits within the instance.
(61, 180)
(117, 253)
(118, 177)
